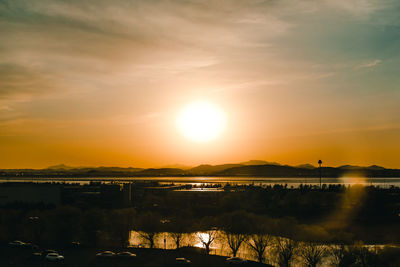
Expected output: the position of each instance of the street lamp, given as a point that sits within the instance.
(320, 174)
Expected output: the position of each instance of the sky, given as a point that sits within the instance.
(101, 83)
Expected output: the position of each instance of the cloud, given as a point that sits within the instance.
(81, 45)
(22, 82)
(369, 64)
(355, 7)
(5, 107)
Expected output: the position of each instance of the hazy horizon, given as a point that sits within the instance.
(99, 83)
(183, 166)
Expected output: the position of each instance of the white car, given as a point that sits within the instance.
(126, 254)
(235, 260)
(105, 254)
(182, 261)
(16, 243)
(54, 257)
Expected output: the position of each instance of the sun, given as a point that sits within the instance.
(201, 121)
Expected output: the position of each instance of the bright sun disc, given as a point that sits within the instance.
(201, 121)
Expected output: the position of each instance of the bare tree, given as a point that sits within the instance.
(259, 243)
(234, 241)
(342, 255)
(177, 237)
(149, 226)
(207, 238)
(312, 253)
(149, 237)
(338, 253)
(285, 249)
(178, 228)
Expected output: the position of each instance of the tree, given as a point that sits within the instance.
(284, 249)
(177, 229)
(312, 253)
(342, 255)
(177, 237)
(236, 225)
(259, 243)
(207, 238)
(235, 240)
(149, 226)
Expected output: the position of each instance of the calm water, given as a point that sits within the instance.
(199, 181)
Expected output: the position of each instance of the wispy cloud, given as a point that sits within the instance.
(369, 64)
(132, 62)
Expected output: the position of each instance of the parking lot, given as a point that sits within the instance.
(82, 256)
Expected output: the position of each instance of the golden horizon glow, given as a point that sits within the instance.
(201, 121)
(87, 84)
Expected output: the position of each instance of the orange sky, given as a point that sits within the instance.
(89, 84)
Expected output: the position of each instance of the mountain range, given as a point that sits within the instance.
(252, 168)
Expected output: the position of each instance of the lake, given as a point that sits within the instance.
(199, 181)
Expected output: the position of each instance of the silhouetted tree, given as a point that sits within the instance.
(234, 241)
(149, 226)
(207, 238)
(342, 255)
(258, 243)
(236, 225)
(284, 250)
(178, 228)
(312, 253)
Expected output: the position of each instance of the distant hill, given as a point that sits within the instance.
(289, 171)
(256, 168)
(206, 169)
(375, 167)
(210, 169)
(258, 162)
(177, 166)
(305, 166)
(61, 167)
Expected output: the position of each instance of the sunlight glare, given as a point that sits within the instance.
(201, 121)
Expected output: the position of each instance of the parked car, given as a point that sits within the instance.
(182, 261)
(16, 243)
(126, 254)
(54, 257)
(235, 260)
(105, 254)
(37, 256)
(48, 251)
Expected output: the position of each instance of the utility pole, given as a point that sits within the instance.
(320, 174)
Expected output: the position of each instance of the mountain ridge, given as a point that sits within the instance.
(244, 169)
